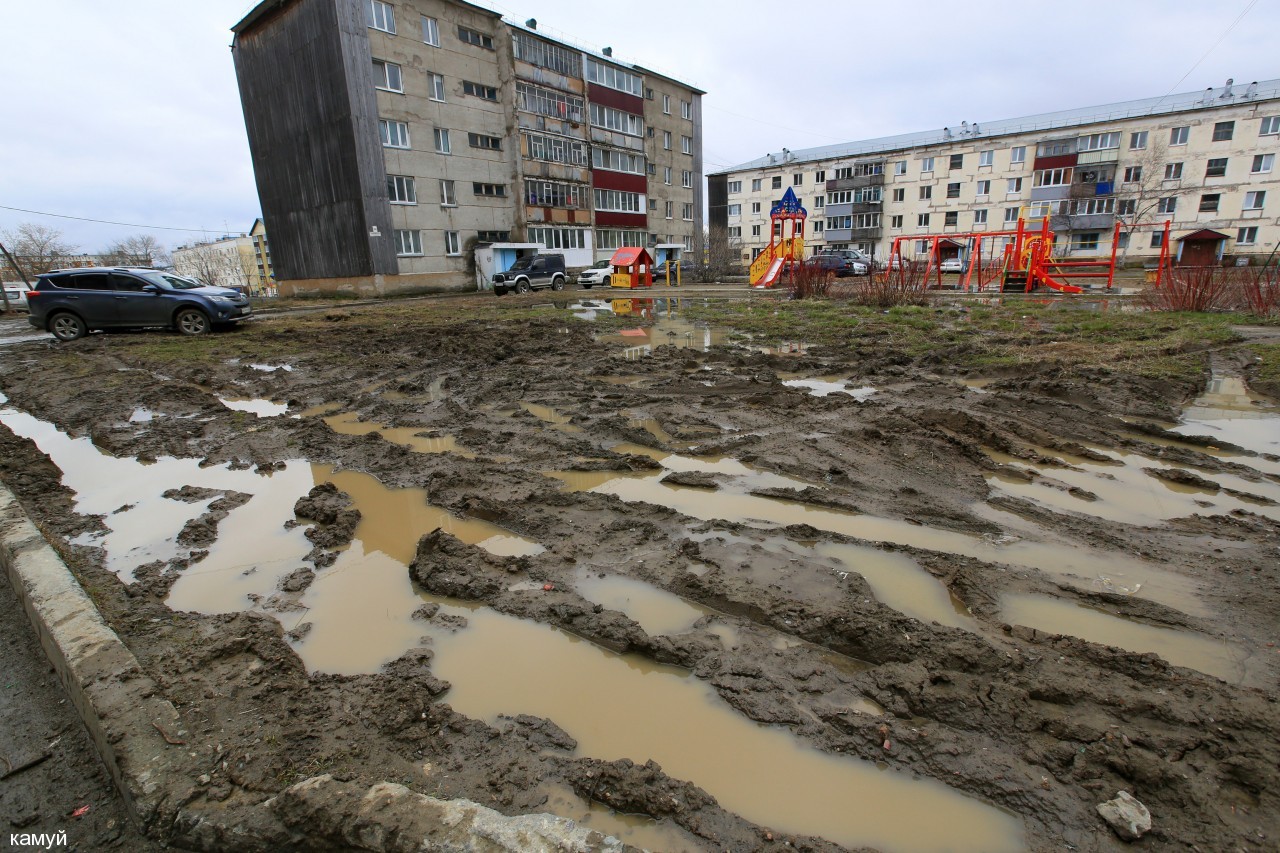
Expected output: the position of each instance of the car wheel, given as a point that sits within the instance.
(191, 321)
(557, 283)
(522, 286)
(67, 327)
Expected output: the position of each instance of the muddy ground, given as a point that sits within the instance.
(1040, 725)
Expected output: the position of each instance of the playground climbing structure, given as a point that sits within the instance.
(786, 242)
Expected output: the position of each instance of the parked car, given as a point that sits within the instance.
(853, 261)
(17, 294)
(531, 272)
(952, 265)
(72, 303)
(597, 273)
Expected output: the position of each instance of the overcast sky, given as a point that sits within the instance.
(127, 110)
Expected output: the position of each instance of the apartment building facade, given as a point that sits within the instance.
(390, 138)
(236, 260)
(1204, 161)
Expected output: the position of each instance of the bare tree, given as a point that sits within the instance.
(1147, 190)
(140, 250)
(724, 253)
(218, 266)
(36, 248)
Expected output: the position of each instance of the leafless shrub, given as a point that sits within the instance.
(809, 281)
(1192, 289)
(1257, 290)
(904, 285)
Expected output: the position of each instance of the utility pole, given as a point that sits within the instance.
(4, 294)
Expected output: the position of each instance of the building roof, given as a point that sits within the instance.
(629, 256)
(1186, 102)
(1205, 234)
(266, 6)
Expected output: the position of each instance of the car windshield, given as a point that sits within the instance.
(522, 263)
(599, 265)
(172, 281)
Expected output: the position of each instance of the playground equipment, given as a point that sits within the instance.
(784, 250)
(1026, 260)
(632, 267)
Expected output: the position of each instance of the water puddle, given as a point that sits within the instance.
(548, 415)
(349, 423)
(141, 415)
(899, 582)
(824, 387)
(1228, 411)
(627, 707)
(261, 408)
(732, 503)
(666, 331)
(1181, 648)
(659, 612)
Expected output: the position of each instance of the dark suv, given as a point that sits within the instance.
(71, 303)
(529, 272)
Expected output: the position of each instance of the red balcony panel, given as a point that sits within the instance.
(606, 180)
(1062, 161)
(613, 98)
(621, 220)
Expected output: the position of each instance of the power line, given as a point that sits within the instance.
(1212, 47)
(108, 221)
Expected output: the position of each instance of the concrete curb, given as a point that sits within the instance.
(140, 737)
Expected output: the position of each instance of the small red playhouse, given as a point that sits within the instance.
(632, 267)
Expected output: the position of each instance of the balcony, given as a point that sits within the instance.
(1108, 155)
(855, 183)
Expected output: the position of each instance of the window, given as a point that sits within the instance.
(666, 105)
(1098, 142)
(840, 197)
(951, 217)
(1138, 140)
(900, 167)
(735, 231)
(1041, 209)
(1216, 168)
(1262, 163)
(610, 238)
(686, 179)
(755, 184)
(617, 161)
(554, 194)
(926, 164)
(556, 149)
(839, 223)
(819, 202)
(984, 188)
(1179, 135)
(386, 76)
(653, 204)
(863, 170)
(1132, 174)
(614, 78)
(1223, 131)
(922, 220)
(735, 210)
(671, 210)
(1056, 148)
(479, 140)
(470, 36)
(735, 186)
(687, 212)
(866, 220)
(1247, 236)
(1091, 206)
(796, 179)
(956, 161)
(844, 173)
(1122, 240)
(447, 198)
(479, 90)
(666, 175)
(1255, 199)
(755, 230)
(400, 189)
(1011, 214)
(616, 200)
(1173, 171)
(666, 139)
(817, 226)
(535, 51)
(489, 190)
(953, 190)
(686, 110)
(1018, 154)
(1270, 125)
(1100, 175)
(980, 216)
(493, 236)
(408, 243)
(755, 207)
(1167, 205)
(895, 221)
(395, 134)
(777, 182)
(559, 238)
(441, 137)
(926, 192)
(922, 247)
(378, 16)
(986, 158)
(611, 119)
(436, 82)
(430, 31)
(1053, 177)
(1085, 240)
(1127, 207)
(452, 245)
(900, 194)
(549, 102)
(686, 147)
(820, 176)
(1157, 239)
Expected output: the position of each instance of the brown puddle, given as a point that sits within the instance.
(729, 503)
(627, 707)
(1227, 410)
(658, 611)
(550, 416)
(1181, 648)
(899, 582)
(349, 423)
